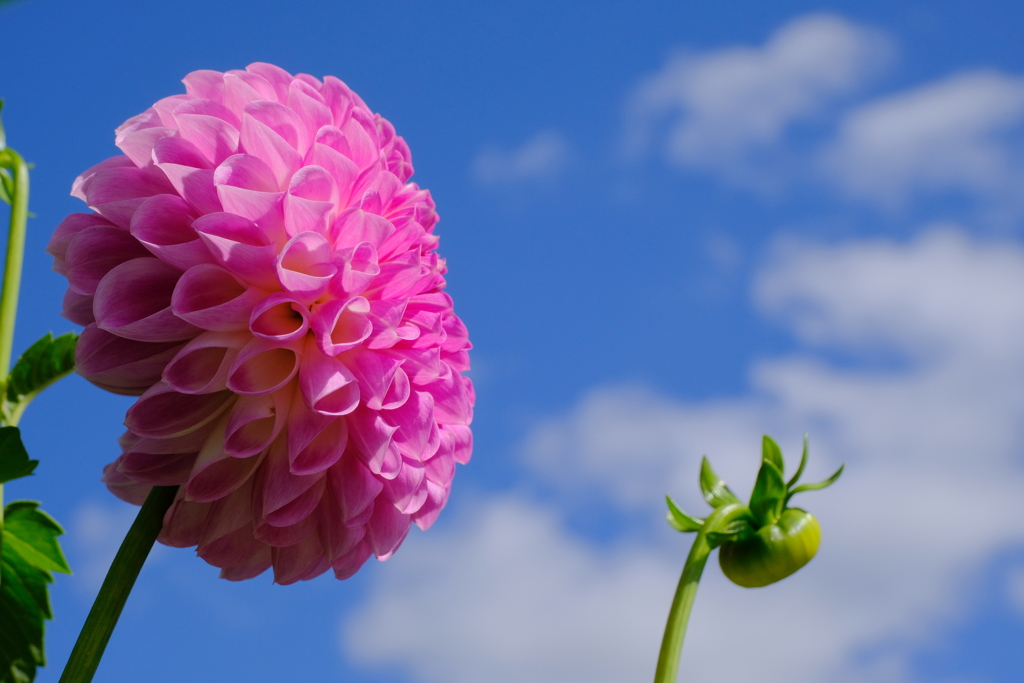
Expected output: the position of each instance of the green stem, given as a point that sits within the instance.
(117, 585)
(679, 615)
(15, 257)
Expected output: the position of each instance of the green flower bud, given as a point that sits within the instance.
(773, 552)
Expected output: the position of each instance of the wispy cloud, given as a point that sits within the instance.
(514, 594)
(542, 157)
(948, 135)
(725, 105)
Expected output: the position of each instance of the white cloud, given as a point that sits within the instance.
(728, 103)
(97, 532)
(948, 135)
(931, 492)
(542, 157)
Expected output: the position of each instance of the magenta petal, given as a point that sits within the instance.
(164, 225)
(417, 436)
(117, 192)
(328, 387)
(258, 563)
(452, 400)
(195, 185)
(247, 172)
(355, 225)
(262, 141)
(375, 372)
(66, 231)
(133, 301)
(212, 298)
(163, 413)
(78, 308)
(121, 365)
(341, 325)
(122, 486)
(95, 251)
(201, 367)
(205, 85)
(254, 422)
(371, 436)
(262, 367)
(463, 442)
(183, 522)
(408, 490)
(300, 562)
(216, 473)
(386, 529)
(353, 487)
(227, 515)
(341, 168)
(277, 77)
(264, 208)
(308, 105)
(359, 268)
(235, 550)
(312, 195)
(283, 121)
(279, 318)
(138, 144)
(158, 470)
(336, 537)
(437, 496)
(349, 563)
(215, 138)
(304, 266)
(241, 246)
(280, 488)
(320, 453)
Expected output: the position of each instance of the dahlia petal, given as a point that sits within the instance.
(371, 436)
(452, 404)
(417, 436)
(201, 367)
(320, 452)
(386, 529)
(399, 277)
(215, 138)
(234, 551)
(133, 301)
(283, 536)
(80, 186)
(258, 563)
(423, 366)
(195, 185)
(164, 413)
(398, 391)
(336, 537)
(275, 76)
(78, 308)
(342, 169)
(254, 422)
(298, 508)
(283, 121)
(259, 139)
(158, 470)
(216, 473)
(463, 442)
(116, 193)
(437, 496)
(183, 522)
(407, 491)
(312, 195)
(128, 490)
(263, 367)
(279, 318)
(248, 172)
(241, 88)
(212, 298)
(349, 563)
(304, 266)
(358, 268)
(355, 225)
(121, 365)
(300, 562)
(375, 372)
(353, 487)
(440, 469)
(361, 144)
(95, 251)
(341, 325)
(66, 231)
(264, 208)
(329, 388)
(165, 107)
(138, 145)
(340, 98)
(241, 246)
(181, 152)
(205, 85)
(163, 224)
(227, 515)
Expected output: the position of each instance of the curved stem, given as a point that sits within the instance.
(15, 257)
(117, 585)
(679, 614)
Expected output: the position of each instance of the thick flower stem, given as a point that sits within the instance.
(679, 615)
(117, 585)
(15, 257)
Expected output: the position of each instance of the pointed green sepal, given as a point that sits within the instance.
(818, 486)
(42, 364)
(679, 520)
(767, 499)
(799, 470)
(771, 452)
(14, 460)
(716, 493)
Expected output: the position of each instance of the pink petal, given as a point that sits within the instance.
(437, 496)
(336, 537)
(355, 225)
(247, 172)
(358, 268)
(216, 473)
(386, 529)
(279, 318)
(375, 372)
(371, 437)
(308, 105)
(452, 404)
(353, 487)
(417, 436)
(263, 367)
(241, 246)
(312, 194)
(463, 442)
(201, 367)
(341, 168)
(128, 490)
(300, 562)
(341, 325)
(258, 563)
(121, 365)
(329, 388)
(349, 563)
(183, 522)
(133, 301)
(212, 298)
(164, 413)
(408, 490)
(66, 231)
(262, 141)
(254, 422)
(205, 85)
(215, 138)
(95, 251)
(275, 76)
(116, 193)
(164, 225)
(78, 308)
(138, 144)
(241, 87)
(283, 121)
(304, 266)
(227, 515)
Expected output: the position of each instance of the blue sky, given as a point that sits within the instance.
(670, 228)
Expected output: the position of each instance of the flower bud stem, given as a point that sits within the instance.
(679, 614)
(85, 657)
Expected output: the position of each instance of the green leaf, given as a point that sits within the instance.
(771, 452)
(41, 365)
(14, 461)
(679, 520)
(716, 493)
(768, 496)
(799, 470)
(815, 487)
(34, 534)
(732, 531)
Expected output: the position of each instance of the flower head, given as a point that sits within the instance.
(259, 271)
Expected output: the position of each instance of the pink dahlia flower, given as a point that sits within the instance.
(259, 271)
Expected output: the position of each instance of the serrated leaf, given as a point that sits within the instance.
(771, 452)
(769, 493)
(21, 617)
(34, 534)
(679, 520)
(799, 470)
(818, 486)
(41, 365)
(716, 493)
(14, 460)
